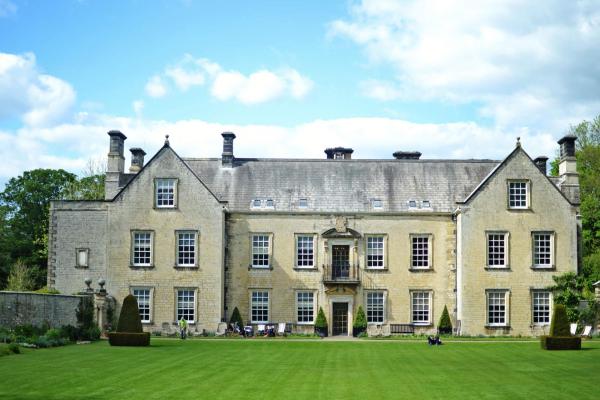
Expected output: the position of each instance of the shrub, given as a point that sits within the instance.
(69, 332)
(42, 342)
(236, 317)
(85, 313)
(561, 343)
(46, 290)
(560, 323)
(4, 351)
(360, 320)
(53, 334)
(92, 333)
(129, 339)
(321, 321)
(14, 348)
(445, 325)
(129, 320)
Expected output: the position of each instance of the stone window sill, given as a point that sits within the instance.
(421, 269)
(82, 266)
(420, 325)
(497, 326)
(141, 266)
(372, 269)
(499, 269)
(251, 268)
(184, 268)
(307, 269)
(542, 269)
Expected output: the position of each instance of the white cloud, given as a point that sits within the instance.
(488, 53)
(7, 8)
(257, 87)
(70, 146)
(156, 87)
(38, 99)
(138, 107)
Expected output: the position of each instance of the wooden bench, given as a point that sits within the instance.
(397, 329)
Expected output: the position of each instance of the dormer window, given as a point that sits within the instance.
(303, 203)
(377, 204)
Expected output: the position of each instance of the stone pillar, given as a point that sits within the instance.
(100, 310)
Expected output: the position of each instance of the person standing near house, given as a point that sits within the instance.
(183, 327)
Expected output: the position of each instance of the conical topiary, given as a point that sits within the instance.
(560, 323)
(360, 320)
(236, 317)
(321, 322)
(129, 320)
(445, 325)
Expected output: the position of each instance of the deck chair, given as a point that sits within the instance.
(260, 329)
(281, 329)
(573, 329)
(587, 331)
(221, 329)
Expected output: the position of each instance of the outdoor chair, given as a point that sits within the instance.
(587, 331)
(281, 329)
(573, 329)
(260, 329)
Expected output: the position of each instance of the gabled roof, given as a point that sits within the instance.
(501, 165)
(342, 185)
(127, 179)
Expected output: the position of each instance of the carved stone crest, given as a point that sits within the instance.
(341, 224)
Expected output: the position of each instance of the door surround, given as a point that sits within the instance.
(340, 299)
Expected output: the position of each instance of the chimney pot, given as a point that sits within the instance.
(567, 146)
(137, 159)
(339, 153)
(540, 162)
(227, 156)
(407, 155)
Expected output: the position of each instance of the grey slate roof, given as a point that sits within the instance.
(342, 185)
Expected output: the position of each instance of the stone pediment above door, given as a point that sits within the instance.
(341, 230)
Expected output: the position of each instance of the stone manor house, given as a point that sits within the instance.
(278, 238)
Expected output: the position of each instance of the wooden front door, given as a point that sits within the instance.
(340, 319)
(340, 261)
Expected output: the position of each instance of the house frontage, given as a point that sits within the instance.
(278, 238)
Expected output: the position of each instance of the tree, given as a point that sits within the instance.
(569, 290)
(236, 317)
(445, 325)
(560, 323)
(91, 184)
(26, 201)
(20, 277)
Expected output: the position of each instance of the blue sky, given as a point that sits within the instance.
(449, 78)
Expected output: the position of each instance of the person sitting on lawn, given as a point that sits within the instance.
(430, 340)
(183, 327)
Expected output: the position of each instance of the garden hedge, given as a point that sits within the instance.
(129, 339)
(561, 342)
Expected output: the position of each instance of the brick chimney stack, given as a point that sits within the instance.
(227, 156)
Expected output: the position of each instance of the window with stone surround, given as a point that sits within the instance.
(186, 305)
(375, 307)
(543, 249)
(82, 258)
(305, 251)
(541, 304)
(497, 307)
(141, 248)
(165, 193)
(259, 307)
(186, 248)
(421, 307)
(375, 251)
(497, 249)
(305, 307)
(143, 296)
(420, 256)
(261, 249)
(518, 194)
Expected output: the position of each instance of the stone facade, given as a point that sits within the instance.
(278, 239)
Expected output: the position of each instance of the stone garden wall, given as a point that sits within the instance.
(20, 308)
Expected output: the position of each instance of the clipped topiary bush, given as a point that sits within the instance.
(445, 325)
(321, 323)
(560, 336)
(129, 329)
(236, 317)
(560, 323)
(360, 322)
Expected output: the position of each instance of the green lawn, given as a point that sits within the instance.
(262, 369)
